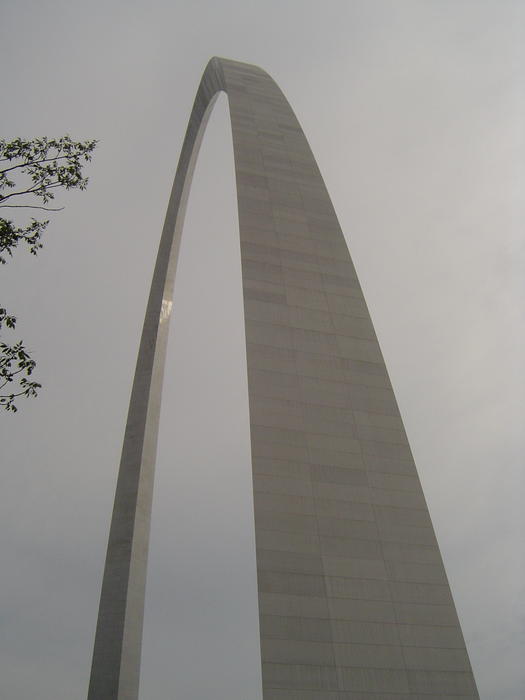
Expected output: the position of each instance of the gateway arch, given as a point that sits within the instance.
(354, 602)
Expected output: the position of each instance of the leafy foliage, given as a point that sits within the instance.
(31, 171)
(14, 361)
(11, 236)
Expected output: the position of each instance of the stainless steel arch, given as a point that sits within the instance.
(353, 597)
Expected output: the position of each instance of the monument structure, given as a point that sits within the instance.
(354, 602)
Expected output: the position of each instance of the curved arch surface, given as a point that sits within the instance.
(353, 596)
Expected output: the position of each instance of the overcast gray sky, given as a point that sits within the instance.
(414, 110)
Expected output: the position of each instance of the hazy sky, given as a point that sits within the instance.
(415, 111)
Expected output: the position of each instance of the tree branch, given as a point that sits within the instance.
(32, 162)
(32, 190)
(28, 206)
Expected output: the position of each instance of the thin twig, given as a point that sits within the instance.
(27, 206)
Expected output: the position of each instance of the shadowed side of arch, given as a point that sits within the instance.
(350, 579)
